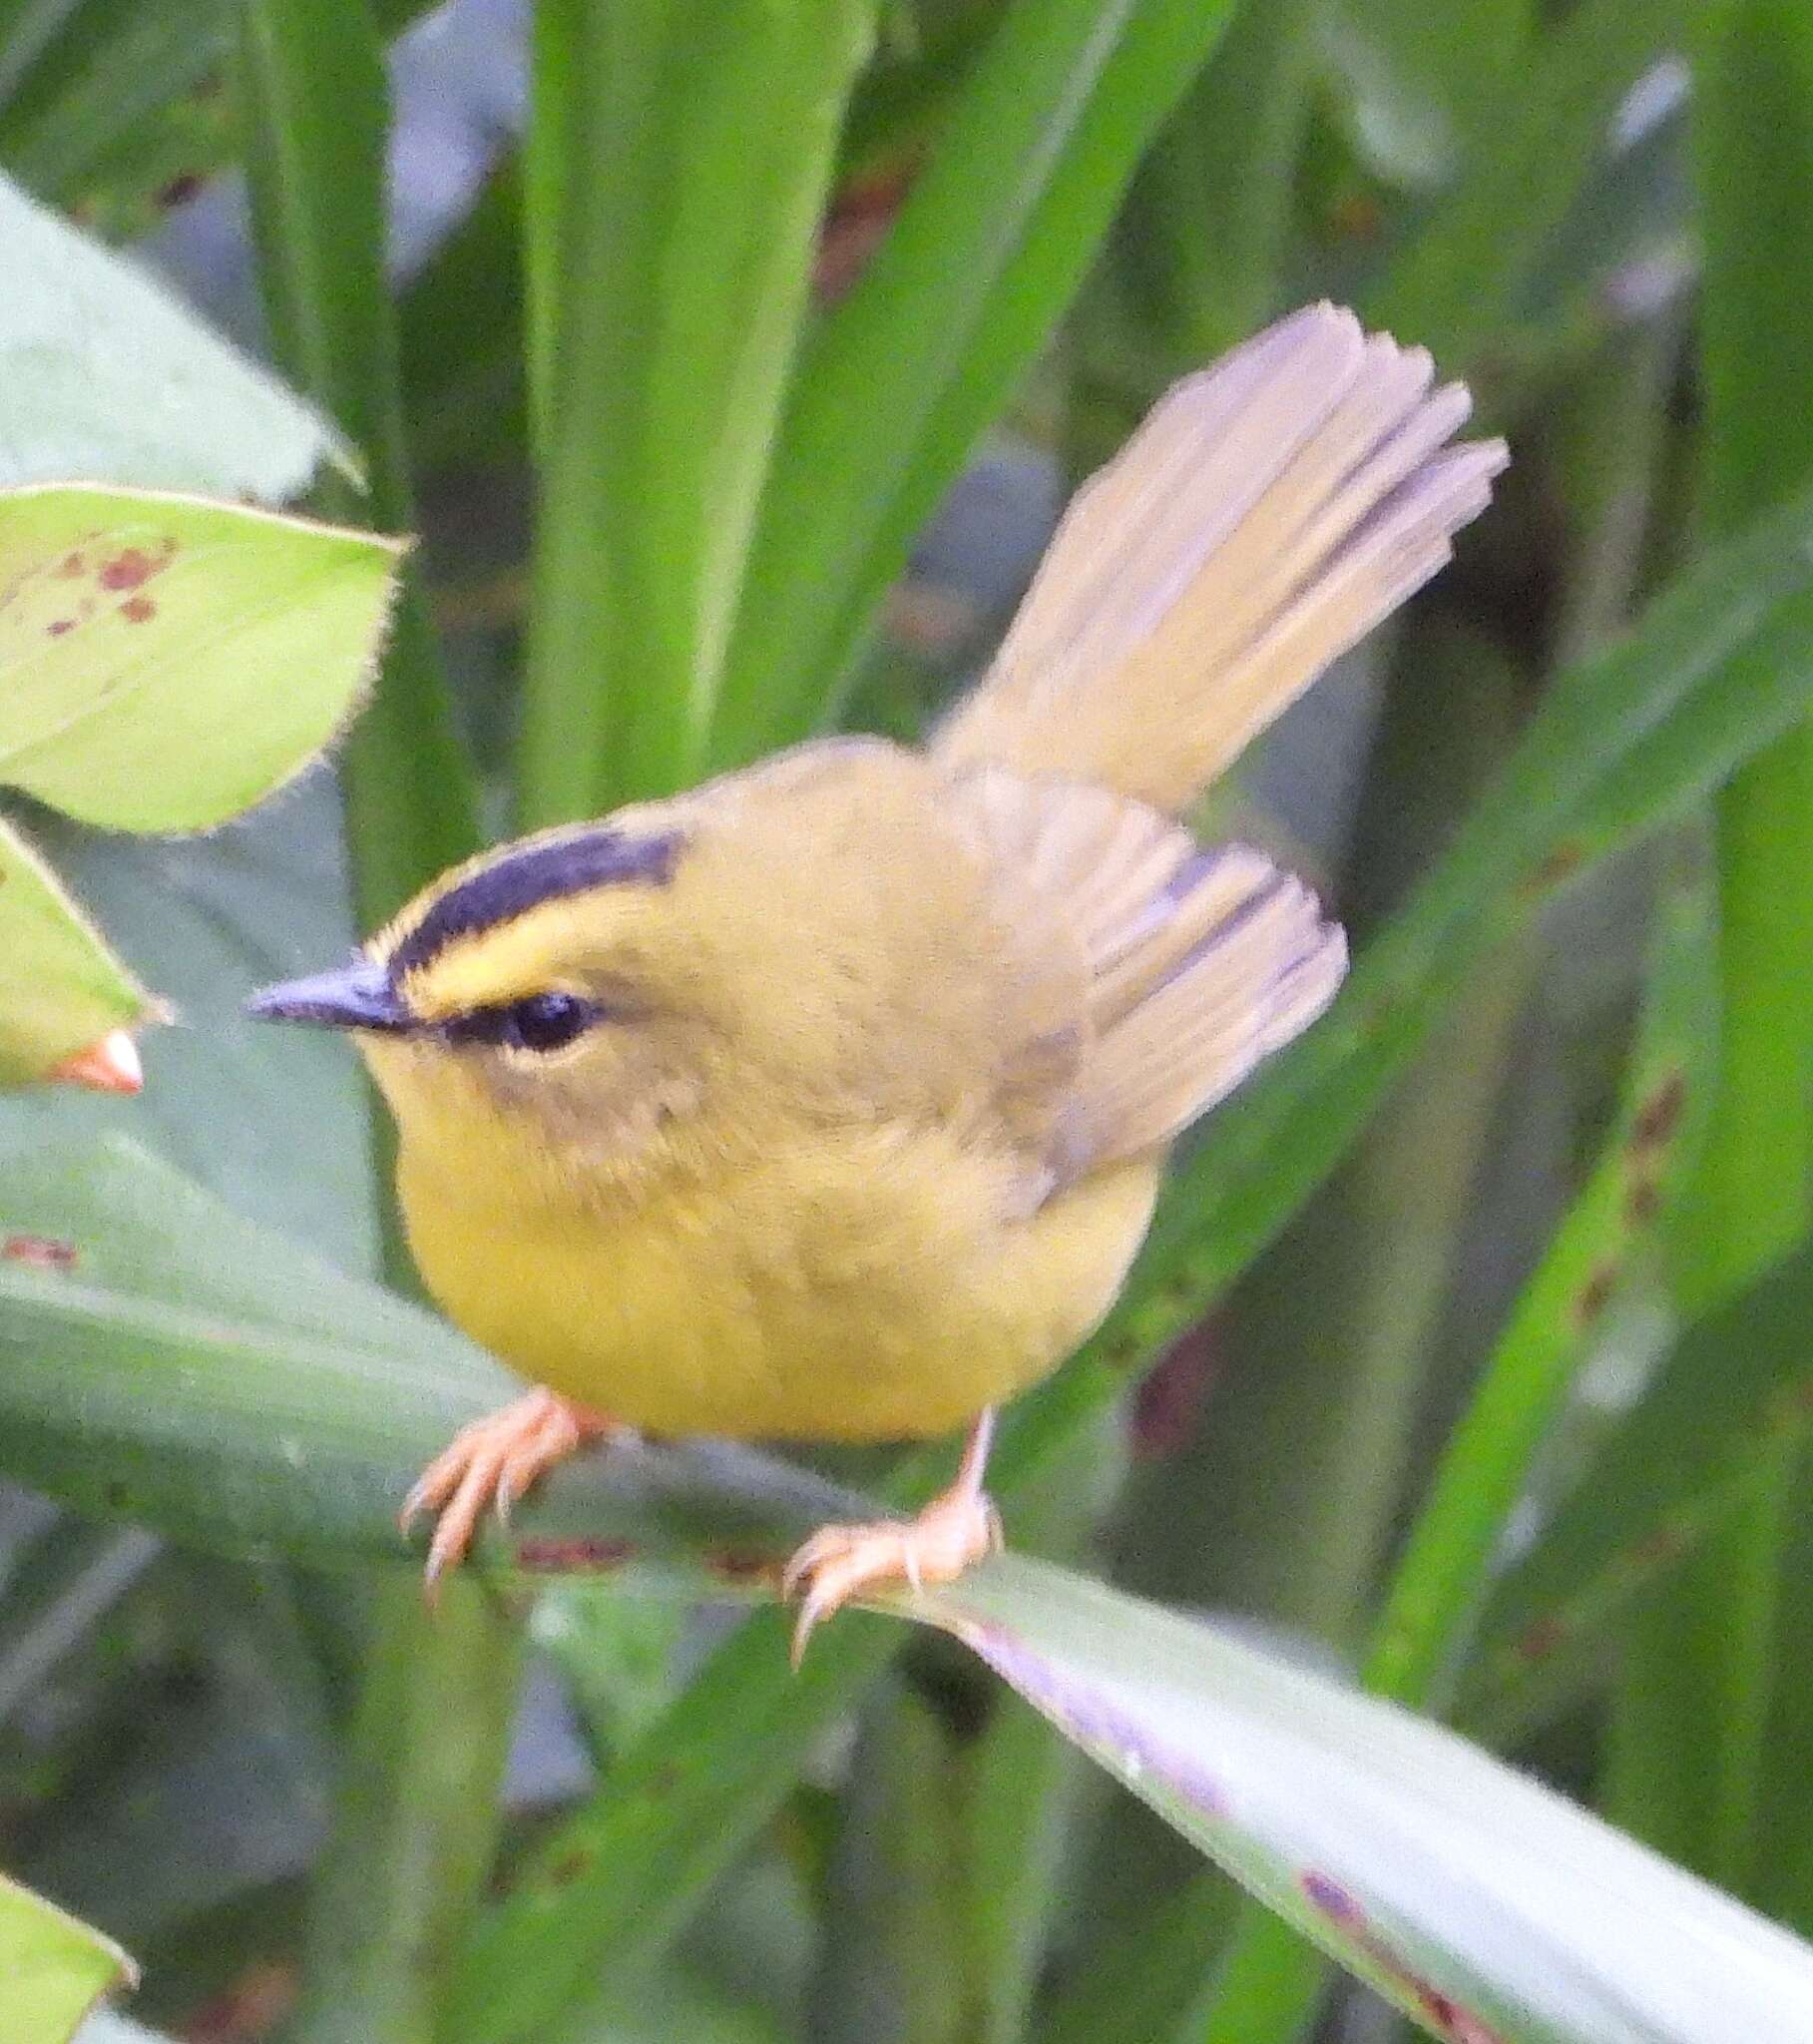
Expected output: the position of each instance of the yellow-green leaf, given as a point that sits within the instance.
(61, 989)
(52, 1969)
(169, 660)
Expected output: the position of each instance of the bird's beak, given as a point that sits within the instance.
(357, 995)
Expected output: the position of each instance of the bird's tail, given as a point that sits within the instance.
(1270, 511)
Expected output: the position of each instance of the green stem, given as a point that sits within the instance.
(677, 176)
(413, 1827)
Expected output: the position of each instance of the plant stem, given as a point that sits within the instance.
(413, 1827)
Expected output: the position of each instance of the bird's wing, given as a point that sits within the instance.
(1197, 964)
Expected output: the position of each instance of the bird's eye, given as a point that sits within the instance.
(539, 1022)
(545, 1022)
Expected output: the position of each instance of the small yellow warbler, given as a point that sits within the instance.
(829, 1101)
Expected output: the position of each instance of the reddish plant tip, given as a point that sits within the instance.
(39, 1251)
(109, 1066)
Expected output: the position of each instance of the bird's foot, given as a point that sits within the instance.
(490, 1464)
(957, 1528)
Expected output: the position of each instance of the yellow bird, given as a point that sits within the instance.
(829, 1101)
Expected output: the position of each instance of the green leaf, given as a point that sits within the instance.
(227, 644)
(897, 385)
(52, 1969)
(1472, 1898)
(1699, 1668)
(1458, 286)
(678, 190)
(1421, 84)
(1736, 1389)
(1440, 1579)
(316, 110)
(104, 376)
(169, 1361)
(61, 989)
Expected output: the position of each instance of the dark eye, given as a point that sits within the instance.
(542, 1022)
(545, 1021)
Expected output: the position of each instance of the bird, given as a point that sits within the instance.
(829, 1101)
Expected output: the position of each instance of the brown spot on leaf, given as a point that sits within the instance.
(1536, 1642)
(128, 569)
(1662, 1544)
(1659, 1115)
(58, 626)
(573, 1554)
(1595, 1295)
(41, 1251)
(138, 610)
(568, 1867)
(1562, 861)
(1642, 1202)
(1332, 1900)
(72, 565)
(183, 186)
(729, 1565)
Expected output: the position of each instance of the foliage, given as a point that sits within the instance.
(1467, 1348)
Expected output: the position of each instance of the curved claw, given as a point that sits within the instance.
(839, 1562)
(489, 1465)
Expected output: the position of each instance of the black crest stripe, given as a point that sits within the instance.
(521, 880)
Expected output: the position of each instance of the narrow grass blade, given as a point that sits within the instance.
(995, 238)
(1699, 1665)
(1736, 1389)
(314, 94)
(1457, 285)
(676, 209)
(1474, 1900)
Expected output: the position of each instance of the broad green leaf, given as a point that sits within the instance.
(61, 989)
(52, 1969)
(1736, 1388)
(273, 1122)
(106, 377)
(226, 644)
(165, 1361)
(678, 189)
(898, 383)
(1472, 1898)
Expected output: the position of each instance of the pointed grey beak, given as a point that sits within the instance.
(356, 995)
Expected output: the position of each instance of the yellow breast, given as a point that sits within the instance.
(873, 1286)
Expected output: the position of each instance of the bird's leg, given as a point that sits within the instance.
(958, 1527)
(491, 1463)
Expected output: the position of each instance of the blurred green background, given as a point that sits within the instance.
(733, 359)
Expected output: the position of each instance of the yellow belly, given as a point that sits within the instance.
(872, 1290)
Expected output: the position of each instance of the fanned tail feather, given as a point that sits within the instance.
(1270, 511)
